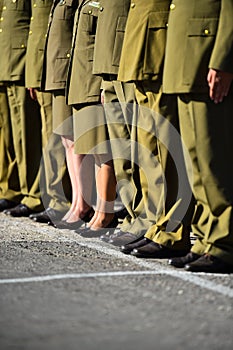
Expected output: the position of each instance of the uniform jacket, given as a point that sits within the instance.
(36, 41)
(82, 85)
(205, 29)
(143, 49)
(1, 5)
(14, 28)
(58, 44)
(110, 30)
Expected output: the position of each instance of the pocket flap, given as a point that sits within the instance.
(19, 42)
(202, 26)
(158, 19)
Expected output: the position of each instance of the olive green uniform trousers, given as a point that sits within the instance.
(121, 114)
(9, 181)
(26, 133)
(206, 129)
(167, 196)
(54, 179)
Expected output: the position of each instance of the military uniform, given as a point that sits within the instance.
(54, 168)
(83, 88)
(165, 190)
(119, 103)
(56, 61)
(204, 27)
(14, 29)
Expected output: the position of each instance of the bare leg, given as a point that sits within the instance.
(79, 206)
(106, 188)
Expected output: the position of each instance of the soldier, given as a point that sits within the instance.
(119, 103)
(91, 138)
(55, 68)
(24, 113)
(203, 85)
(52, 168)
(166, 194)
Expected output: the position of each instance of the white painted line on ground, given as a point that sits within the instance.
(185, 276)
(156, 267)
(76, 276)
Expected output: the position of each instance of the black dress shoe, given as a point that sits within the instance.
(6, 204)
(128, 248)
(121, 214)
(109, 235)
(209, 263)
(47, 216)
(182, 261)
(157, 251)
(90, 233)
(126, 237)
(19, 210)
(62, 224)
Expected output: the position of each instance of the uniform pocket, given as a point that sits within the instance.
(88, 23)
(155, 42)
(201, 33)
(18, 46)
(61, 65)
(44, 3)
(120, 31)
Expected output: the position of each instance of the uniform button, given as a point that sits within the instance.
(4, 8)
(30, 31)
(90, 12)
(1, 19)
(67, 55)
(133, 5)
(101, 9)
(34, 5)
(32, 18)
(172, 6)
(0, 30)
(14, 1)
(22, 46)
(166, 24)
(45, 35)
(206, 31)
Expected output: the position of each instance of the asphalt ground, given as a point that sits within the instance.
(60, 291)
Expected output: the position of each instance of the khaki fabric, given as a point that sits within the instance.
(54, 179)
(166, 193)
(120, 106)
(58, 44)
(212, 186)
(121, 113)
(142, 61)
(90, 132)
(82, 85)
(24, 113)
(209, 36)
(36, 42)
(205, 126)
(144, 43)
(110, 30)
(9, 181)
(14, 27)
(26, 126)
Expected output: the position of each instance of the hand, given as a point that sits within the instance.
(219, 84)
(33, 93)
